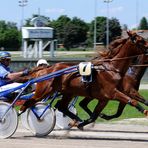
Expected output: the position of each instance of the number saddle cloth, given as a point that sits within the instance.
(85, 70)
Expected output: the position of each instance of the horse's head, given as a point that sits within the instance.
(139, 41)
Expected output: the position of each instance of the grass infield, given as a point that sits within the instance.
(111, 108)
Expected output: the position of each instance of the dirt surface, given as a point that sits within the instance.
(127, 133)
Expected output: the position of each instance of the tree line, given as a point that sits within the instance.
(143, 24)
(71, 32)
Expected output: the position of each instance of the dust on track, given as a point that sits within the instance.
(121, 134)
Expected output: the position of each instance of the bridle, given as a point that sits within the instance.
(133, 39)
(118, 59)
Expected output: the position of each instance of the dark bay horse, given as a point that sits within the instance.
(105, 86)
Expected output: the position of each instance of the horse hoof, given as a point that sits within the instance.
(146, 113)
(80, 128)
(73, 124)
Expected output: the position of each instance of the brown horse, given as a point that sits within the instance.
(131, 81)
(40, 71)
(105, 86)
(130, 86)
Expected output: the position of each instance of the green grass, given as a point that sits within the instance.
(111, 108)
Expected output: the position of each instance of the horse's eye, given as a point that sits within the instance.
(134, 40)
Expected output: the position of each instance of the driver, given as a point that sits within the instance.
(7, 76)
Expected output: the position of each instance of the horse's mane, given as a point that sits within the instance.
(114, 48)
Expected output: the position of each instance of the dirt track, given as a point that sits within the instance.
(116, 135)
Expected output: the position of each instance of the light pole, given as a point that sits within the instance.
(22, 3)
(107, 22)
(95, 24)
(137, 11)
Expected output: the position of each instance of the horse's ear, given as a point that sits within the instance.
(129, 33)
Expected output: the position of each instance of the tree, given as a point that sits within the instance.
(100, 30)
(58, 26)
(114, 29)
(143, 24)
(10, 37)
(70, 32)
(75, 32)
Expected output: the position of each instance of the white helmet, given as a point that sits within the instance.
(42, 61)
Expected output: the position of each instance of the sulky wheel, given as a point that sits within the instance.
(24, 118)
(9, 123)
(62, 121)
(43, 126)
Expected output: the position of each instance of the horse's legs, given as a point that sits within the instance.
(102, 103)
(126, 99)
(86, 101)
(131, 87)
(99, 107)
(118, 113)
(41, 92)
(62, 105)
(83, 104)
(135, 94)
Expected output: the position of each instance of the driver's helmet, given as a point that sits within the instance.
(42, 62)
(5, 55)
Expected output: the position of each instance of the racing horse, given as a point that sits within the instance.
(70, 85)
(131, 80)
(40, 71)
(130, 86)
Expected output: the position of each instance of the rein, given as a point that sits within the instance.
(140, 65)
(117, 59)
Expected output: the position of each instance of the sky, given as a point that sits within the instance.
(127, 12)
